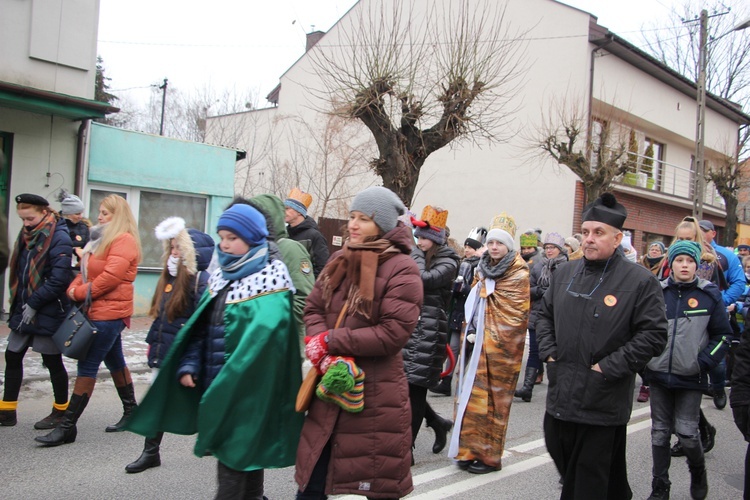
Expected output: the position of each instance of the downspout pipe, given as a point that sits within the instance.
(82, 141)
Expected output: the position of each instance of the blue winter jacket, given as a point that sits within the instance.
(162, 331)
(49, 299)
(734, 274)
(697, 336)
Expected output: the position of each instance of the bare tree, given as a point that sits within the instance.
(420, 81)
(728, 178)
(597, 162)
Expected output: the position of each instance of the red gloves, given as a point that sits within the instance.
(316, 348)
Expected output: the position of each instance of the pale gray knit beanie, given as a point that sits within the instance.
(381, 204)
(69, 203)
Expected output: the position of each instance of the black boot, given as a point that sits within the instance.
(659, 489)
(528, 384)
(50, 421)
(441, 426)
(8, 418)
(127, 396)
(698, 482)
(150, 456)
(66, 430)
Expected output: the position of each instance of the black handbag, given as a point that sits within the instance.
(76, 333)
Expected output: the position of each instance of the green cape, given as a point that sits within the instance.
(246, 417)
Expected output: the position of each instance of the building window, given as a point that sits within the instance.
(653, 162)
(149, 209)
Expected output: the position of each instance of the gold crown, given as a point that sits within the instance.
(529, 240)
(300, 196)
(505, 222)
(435, 217)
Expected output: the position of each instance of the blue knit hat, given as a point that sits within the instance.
(246, 222)
(685, 247)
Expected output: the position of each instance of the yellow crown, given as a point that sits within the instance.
(505, 222)
(435, 217)
(300, 196)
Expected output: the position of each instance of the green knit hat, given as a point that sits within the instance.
(685, 247)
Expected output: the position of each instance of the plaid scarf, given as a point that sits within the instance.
(359, 264)
(37, 242)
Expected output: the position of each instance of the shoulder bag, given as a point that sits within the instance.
(76, 333)
(310, 382)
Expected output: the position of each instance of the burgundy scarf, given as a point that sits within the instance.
(358, 262)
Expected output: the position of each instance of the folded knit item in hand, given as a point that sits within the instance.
(343, 384)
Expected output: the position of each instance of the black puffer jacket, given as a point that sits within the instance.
(307, 233)
(79, 236)
(49, 299)
(162, 332)
(425, 352)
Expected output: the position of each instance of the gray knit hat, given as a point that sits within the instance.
(381, 204)
(69, 203)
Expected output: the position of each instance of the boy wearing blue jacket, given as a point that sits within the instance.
(697, 341)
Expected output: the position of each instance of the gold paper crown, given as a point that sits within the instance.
(300, 196)
(435, 217)
(529, 240)
(505, 222)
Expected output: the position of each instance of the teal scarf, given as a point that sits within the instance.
(235, 267)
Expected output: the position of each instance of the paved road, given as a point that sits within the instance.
(93, 466)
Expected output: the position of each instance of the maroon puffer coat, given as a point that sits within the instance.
(370, 451)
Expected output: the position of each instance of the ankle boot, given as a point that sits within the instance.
(8, 413)
(127, 396)
(659, 489)
(441, 426)
(52, 420)
(698, 482)
(528, 384)
(66, 430)
(150, 456)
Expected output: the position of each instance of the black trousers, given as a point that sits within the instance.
(590, 458)
(237, 484)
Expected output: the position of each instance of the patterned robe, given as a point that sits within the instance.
(487, 380)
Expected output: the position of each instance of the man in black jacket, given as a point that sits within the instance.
(601, 320)
(302, 228)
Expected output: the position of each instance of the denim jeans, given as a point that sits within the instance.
(533, 361)
(678, 411)
(107, 347)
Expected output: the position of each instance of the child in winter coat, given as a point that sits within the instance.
(71, 207)
(187, 253)
(698, 332)
(233, 372)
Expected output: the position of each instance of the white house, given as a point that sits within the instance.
(569, 60)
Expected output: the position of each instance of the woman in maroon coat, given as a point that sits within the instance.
(366, 452)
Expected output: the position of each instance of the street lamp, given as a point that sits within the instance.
(700, 181)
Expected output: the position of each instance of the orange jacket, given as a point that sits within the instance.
(110, 278)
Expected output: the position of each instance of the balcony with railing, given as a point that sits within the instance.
(659, 179)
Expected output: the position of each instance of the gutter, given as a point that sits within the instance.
(81, 144)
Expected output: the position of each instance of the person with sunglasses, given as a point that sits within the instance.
(601, 320)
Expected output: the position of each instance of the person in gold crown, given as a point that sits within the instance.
(301, 227)
(425, 352)
(497, 314)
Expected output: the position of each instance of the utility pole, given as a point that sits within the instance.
(700, 126)
(163, 87)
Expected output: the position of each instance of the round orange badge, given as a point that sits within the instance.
(168, 288)
(693, 302)
(610, 300)
(78, 237)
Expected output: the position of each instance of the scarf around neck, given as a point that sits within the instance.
(358, 262)
(548, 267)
(37, 242)
(494, 272)
(235, 267)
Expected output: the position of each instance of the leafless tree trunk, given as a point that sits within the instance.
(420, 81)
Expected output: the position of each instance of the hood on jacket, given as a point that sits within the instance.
(273, 207)
(204, 248)
(401, 237)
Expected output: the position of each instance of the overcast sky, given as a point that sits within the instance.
(244, 45)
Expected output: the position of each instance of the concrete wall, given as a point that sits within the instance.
(54, 44)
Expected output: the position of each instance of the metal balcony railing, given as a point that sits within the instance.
(673, 180)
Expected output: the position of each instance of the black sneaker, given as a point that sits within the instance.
(677, 451)
(710, 439)
(720, 398)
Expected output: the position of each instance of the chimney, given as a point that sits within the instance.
(313, 38)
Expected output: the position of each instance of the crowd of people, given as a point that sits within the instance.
(402, 309)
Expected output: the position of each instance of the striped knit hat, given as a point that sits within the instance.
(684, 247)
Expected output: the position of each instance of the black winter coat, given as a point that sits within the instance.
(740, 394)
(424, 353)
(307, 233)
(621, 326)
(79, 236)
(49, 300)
(461, 292)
